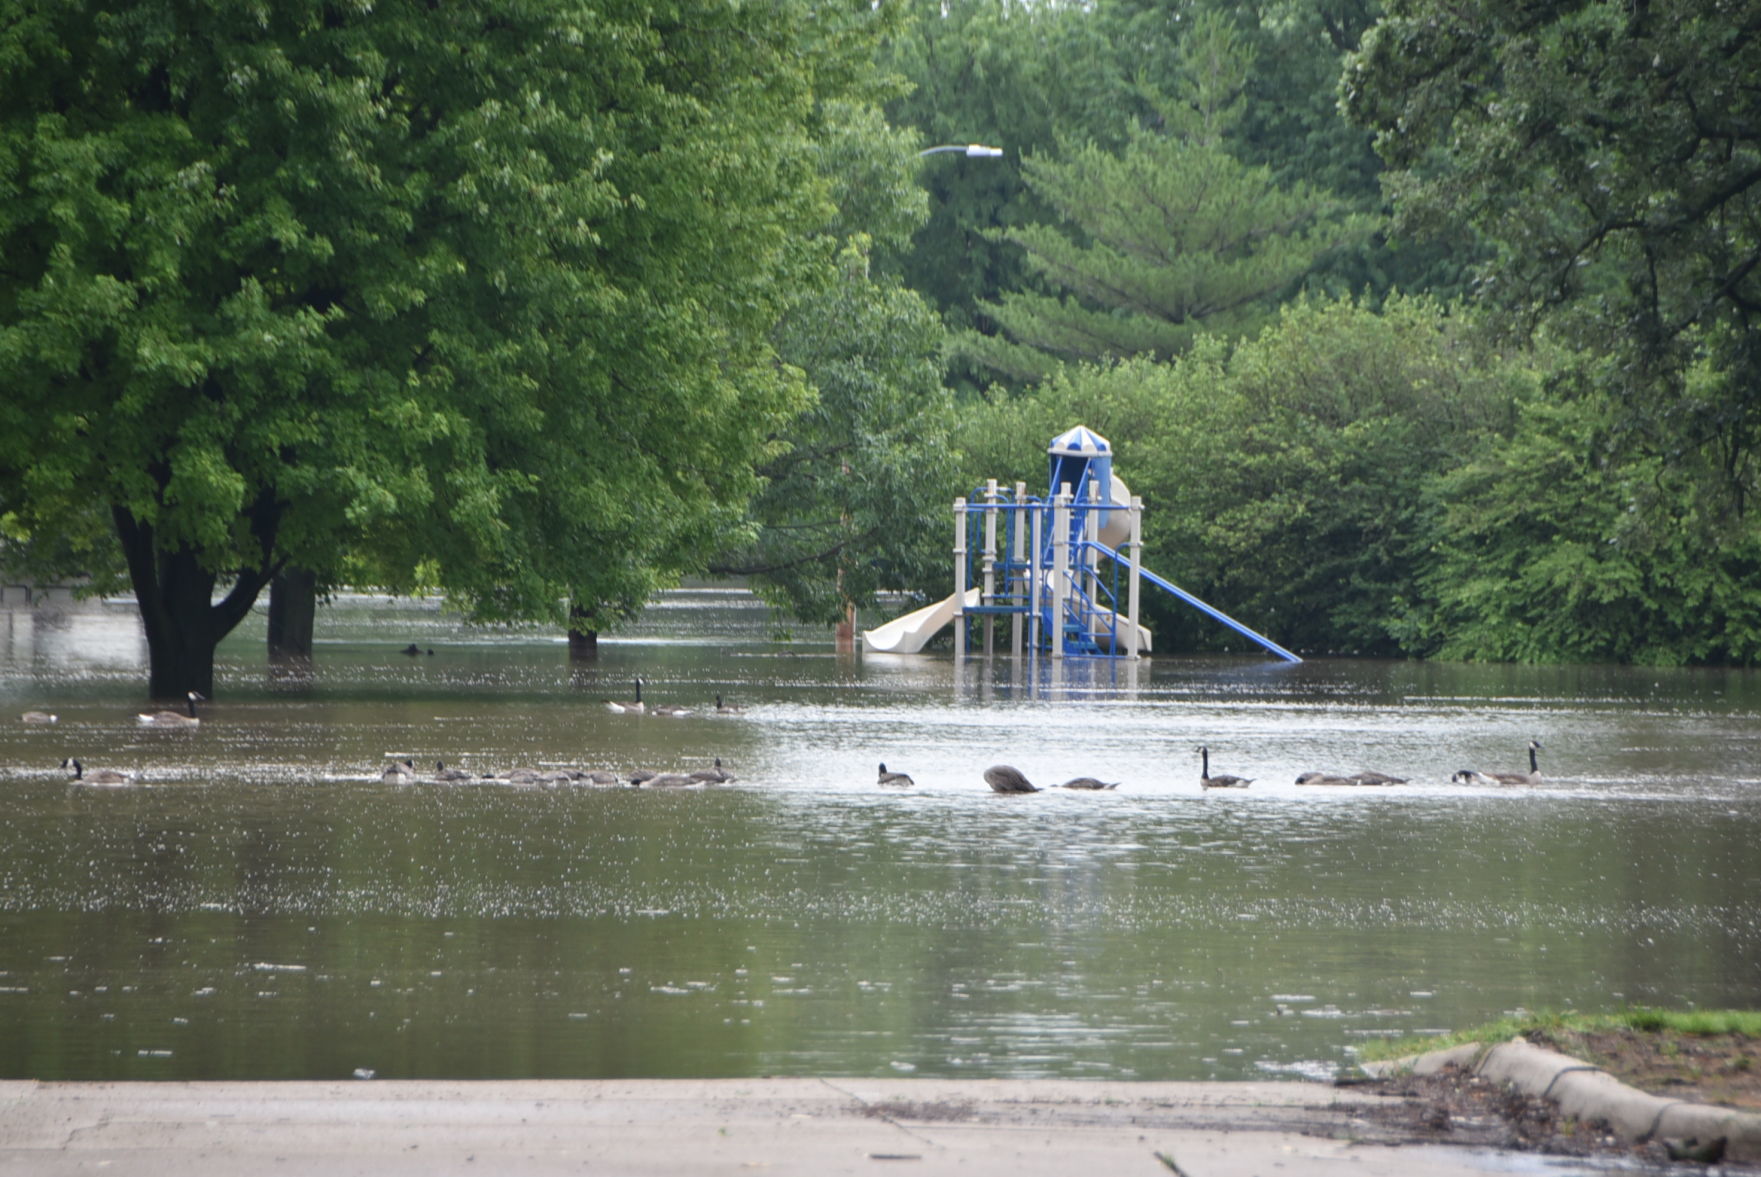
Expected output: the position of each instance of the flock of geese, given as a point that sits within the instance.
(146, 718)
(1002, 778)
(404, 772)
(635, 706)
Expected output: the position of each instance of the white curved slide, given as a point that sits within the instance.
(907, 634)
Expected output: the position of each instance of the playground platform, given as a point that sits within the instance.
(1062, 572)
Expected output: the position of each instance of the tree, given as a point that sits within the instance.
(857, 501)
(1543, 549)
(860, 480)
(1173, 235)
(479, 296)
(1611, 154)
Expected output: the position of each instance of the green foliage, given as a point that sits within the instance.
(1556, 1023)
(1172, 234)
(1012, 75)
(485, 290)
(1546, 548)
(1606, 150)
(1282, 476)
(856, 502)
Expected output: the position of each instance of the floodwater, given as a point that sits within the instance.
(260, 904)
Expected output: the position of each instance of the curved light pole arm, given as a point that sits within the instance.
(971, 150)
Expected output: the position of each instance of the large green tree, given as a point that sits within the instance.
(1611, 152)
(477, 294)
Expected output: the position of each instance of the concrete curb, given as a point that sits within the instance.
(1588, 1092)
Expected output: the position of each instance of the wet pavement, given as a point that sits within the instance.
(1017, 1128)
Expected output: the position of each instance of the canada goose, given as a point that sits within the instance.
(642, 776)
(1005, 779)
(630, 706)
(600, 776)
(1222, 780)
(174, 718)
(39, 717)
(413, 650)
(98, 776)
(399, 772)
(1467, 776)
(520, 776)
(443, 773)
(1372, 777)
(669, 780)
(1088, 782)
(1531, 777)
(722, 708)
(713, 776)
(1323, 778)
(669, 709)
(895, 780)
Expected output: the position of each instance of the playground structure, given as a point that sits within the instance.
(1066, 570)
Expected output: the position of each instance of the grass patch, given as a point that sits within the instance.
(1645, 1020)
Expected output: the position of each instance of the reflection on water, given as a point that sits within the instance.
(263, 905)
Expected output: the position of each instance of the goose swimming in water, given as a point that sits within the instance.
(174, 718)
(399, 772)
(1005, 779)
(1221, 780)
(1323, 778)
(443, 773)
(1088, 782)
(722, 708)
(895, 780)
(98, 776)
(631, 706)
(713, 776)
(669, 780)
(1371, 777)
(1531, 777)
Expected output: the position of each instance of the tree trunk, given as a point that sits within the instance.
(583, 642)
(293, 606)
(176, 599)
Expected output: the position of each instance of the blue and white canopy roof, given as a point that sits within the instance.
(1080, 442)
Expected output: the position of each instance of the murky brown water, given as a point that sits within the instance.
(261, 904)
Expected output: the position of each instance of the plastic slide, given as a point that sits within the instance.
(907, 634)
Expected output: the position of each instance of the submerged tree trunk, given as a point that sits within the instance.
(293, 607)
(183, 622)
(583, 642)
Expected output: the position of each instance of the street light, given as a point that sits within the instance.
(969, 149)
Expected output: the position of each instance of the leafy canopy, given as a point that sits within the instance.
(481, 292)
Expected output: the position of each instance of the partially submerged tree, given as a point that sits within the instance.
(475, 294)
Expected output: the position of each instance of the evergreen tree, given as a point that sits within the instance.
(1172, 235)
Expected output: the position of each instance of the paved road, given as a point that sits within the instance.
(767, 1127)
